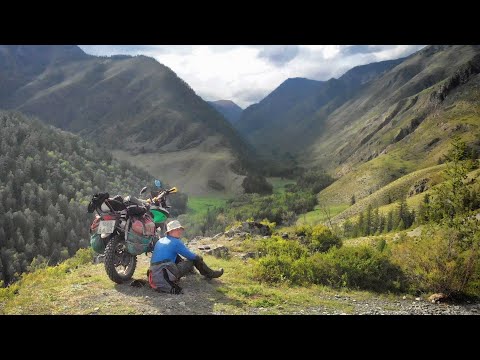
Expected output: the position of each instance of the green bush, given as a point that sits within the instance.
(314, 180)
(362, 267)
(276, 246)
(322, 239)
(314, 269)
(257, 184)
(271, 225)
(381, 244)
(318, 238)
(443, 260)
(353, 267)
(273, 268)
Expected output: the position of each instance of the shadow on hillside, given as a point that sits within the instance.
(199, 296)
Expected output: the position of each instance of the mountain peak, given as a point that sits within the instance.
(45, 53)
(228, 109)
(225, 103)
(362, 74)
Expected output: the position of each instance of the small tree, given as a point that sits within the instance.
(451, 199)
(256, 184)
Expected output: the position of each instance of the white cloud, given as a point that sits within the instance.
(247, 73)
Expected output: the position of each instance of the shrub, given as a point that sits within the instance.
(318, 238)
(381, 244)
(276, 246)
(303, 230)
(314, 180)
(256, 184)
(442, 260)
(271, 225)
(365, 268)
(322, 239)
(273, 268)
(353, 267)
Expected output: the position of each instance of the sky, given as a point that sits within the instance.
(246, 74)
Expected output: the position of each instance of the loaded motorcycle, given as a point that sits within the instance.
(126, 227)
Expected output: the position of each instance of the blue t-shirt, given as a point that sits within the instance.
(168, 247)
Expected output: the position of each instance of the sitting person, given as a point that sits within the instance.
(164, 273)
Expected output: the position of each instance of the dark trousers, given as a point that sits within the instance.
(186, 266)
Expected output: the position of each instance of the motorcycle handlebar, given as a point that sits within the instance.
(162, 194)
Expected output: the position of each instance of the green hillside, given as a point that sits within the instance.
(408, 113)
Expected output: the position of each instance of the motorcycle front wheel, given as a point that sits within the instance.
(119, 263)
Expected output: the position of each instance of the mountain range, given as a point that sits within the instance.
(135, 106)
(375, 123)
(371, 126)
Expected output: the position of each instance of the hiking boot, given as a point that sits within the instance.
(215, 274)
(205, 270)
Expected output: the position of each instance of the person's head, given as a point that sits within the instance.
(175, 229)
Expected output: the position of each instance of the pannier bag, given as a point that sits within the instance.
(97, 243)
(140, 235)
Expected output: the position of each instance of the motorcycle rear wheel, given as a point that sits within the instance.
(116, 258)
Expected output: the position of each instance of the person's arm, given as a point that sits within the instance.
(184, 251)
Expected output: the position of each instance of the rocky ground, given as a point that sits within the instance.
(87, 290)
(200, 297)
(400, 306)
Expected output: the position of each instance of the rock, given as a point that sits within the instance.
(284, 236)
(181, 303)
(404, 298)
(418, 187)
(415, 232)
(99, 259)
(96, 309)
(217, 236)
(249, 255)
(253, 227)
(242, 235)
(437, 297)
(417, 299)
(218, 252)
(206, 247)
